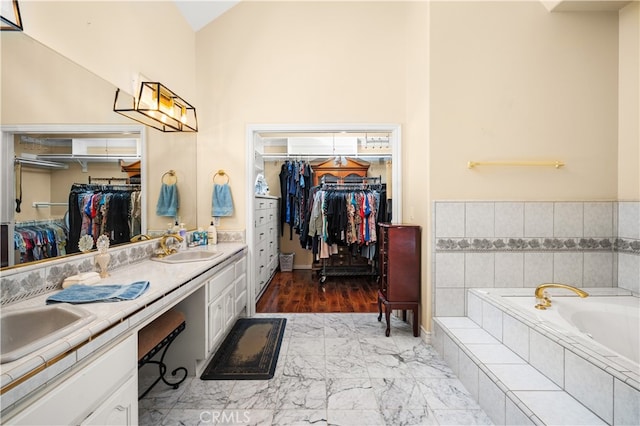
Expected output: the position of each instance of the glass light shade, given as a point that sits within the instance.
(158, 107)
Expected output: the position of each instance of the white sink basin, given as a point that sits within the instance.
(188, 256)
(27, 330)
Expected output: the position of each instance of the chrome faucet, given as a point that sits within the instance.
(544, 299)
(166, 250)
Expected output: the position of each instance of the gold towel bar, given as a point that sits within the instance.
(556, 164)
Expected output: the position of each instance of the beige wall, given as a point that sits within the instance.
(293, 62)
(629, 104)
(511, 81)
(42, 86)
(116, 40)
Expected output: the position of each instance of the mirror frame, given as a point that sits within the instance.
(7, 153)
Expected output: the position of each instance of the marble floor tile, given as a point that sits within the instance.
(446, 394)
(398, 394)
(301, 393)
(346, 367)
(305, 367)
(254, 394)
(350, 394)
(342, 347)
(461, 417)
(300, 417)
(355, 417)
(336, 369)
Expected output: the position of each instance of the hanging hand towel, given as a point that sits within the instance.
(221, 201)
(168, 201)
(81, 293)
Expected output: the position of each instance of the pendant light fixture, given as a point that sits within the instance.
(10, 16)
(158, 107)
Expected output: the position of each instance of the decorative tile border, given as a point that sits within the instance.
(525, 244)
(628, 245)
(32, 280)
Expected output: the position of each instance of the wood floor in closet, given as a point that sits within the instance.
(300, 291)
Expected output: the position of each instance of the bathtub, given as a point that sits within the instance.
(612, 322)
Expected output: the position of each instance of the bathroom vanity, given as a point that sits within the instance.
(91, 376)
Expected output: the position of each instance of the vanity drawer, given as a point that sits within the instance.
(222, 279)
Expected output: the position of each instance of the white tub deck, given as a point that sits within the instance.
(524, 370)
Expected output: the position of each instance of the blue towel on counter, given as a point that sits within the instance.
(221, 201)
(168, 201)
(81, 293)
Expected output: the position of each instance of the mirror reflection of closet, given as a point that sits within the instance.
(49, 166)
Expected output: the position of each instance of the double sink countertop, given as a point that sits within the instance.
(169, 284)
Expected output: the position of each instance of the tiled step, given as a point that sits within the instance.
(509, 389)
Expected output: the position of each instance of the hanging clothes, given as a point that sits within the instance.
(295, 178)
(36, 240)
(112, 210)
(344, 214)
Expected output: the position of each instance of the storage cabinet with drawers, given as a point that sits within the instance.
(399, 271)
(266, 238)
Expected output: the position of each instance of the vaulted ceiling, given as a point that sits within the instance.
(199, 13)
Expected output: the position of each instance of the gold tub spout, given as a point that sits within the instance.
(140, 237)
(543, 298)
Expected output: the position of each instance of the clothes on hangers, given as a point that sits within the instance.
(295, 178)
(103, 210)
(347, 215)
(36, 240)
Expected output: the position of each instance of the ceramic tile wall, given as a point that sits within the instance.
(628, 245)
(523, 244)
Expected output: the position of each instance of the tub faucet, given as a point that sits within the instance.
(544, 299)
(165, 250)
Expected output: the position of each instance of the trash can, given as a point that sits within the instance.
(286, 262)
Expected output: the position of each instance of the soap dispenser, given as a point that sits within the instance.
(212, 235)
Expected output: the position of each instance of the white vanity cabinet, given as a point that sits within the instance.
(103, 391)
(210, 312)
(266, 239)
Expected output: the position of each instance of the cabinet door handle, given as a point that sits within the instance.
(121, 408)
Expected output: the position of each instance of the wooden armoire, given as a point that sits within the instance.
(399, 263)
(333, 171)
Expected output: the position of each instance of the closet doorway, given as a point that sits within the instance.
(270, 145)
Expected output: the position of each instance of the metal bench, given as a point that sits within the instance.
(158, 336)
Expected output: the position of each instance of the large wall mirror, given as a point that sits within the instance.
(58, 122)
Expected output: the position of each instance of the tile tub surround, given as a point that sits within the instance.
(483, 244)
(35, 279)
(537, 366)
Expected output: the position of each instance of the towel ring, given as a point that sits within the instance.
(171, 178)
(221, 173)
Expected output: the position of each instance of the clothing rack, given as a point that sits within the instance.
(39, 222)
(347, 261)
(107, 187)
(351, 182)
(108, 179)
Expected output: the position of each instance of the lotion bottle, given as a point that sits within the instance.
(212, 235)
(183, 234)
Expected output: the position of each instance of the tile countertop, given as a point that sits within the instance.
(169, 283)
